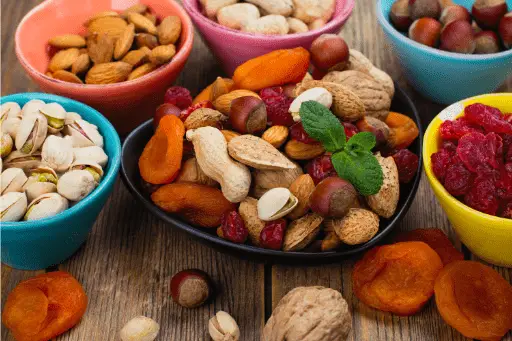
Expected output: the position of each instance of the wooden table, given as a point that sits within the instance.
(130, 256)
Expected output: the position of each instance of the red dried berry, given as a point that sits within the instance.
(233, 227)
(298, 133)
(407, 163)
(504, 182)
(178, 96)
(440, 163)
(272, 235)
(450, 146)
(506, 212)
(186, 113)
(454, 130)
(320, 168)
(278, 105)
(482, 196)
(350, 129)
(508, 117)
(507, 147)
(458, 179)
(478, 151)
(491, 119)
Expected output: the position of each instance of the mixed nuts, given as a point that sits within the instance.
(117, 47)
(56, 159)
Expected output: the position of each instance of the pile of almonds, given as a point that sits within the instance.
(270, 17)
(451, 27)
(117, 47)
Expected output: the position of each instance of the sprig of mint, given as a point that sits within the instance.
(353, 160)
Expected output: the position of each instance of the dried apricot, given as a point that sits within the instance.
(160, 161)
(475, 300)
(273, 69)
(437, 240)
(198, 204)
(398, 278)
(403, 130)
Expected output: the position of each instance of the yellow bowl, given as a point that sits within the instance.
(488, 237)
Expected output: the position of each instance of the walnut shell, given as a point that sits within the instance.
(302, 232)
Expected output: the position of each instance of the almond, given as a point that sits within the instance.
(63, 59)
(169, 30)
(108, 73)
(229, 134)
(142, 71)
(357, 227)
(137, 57)
(151, 17)
(66, 41)
(101, 15)
(385, 202)
(101, 48)
(142, 23)
(162, 54)
(276, 135)
(302, 188)
(258, 153)
(220, 87)
(223, 103)
(301, 232)
(124, 42)
(302, 151)
(147, 40)
(113, 26)
(249, 212)
(81, 64)
(67, 76)
(49, 74)
(137, 8)
(204, 117)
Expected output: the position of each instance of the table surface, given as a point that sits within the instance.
(130, 256)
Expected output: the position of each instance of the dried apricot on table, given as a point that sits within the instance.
(403, 130)
(160, 161)
(474, 299)
(44, 306)
(198, 204)
(398, 278)
(273, 69)
(437, 240)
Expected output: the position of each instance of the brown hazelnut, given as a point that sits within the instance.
(458, 37)
(191, 288)
(488, 13)
(453, 13)
(505, 30)
(332, 197)
(424, 9)
(376, 127)
(426, 31)
(487, 42)
(400, 16)
(248, 114)
(329, 52)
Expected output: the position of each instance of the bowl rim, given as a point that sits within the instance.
(108, 179)
(277, 255)
(386, 25)
(181, 55)
(432, 133)
(336, 20)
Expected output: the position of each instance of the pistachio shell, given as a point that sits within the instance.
(6, 144)
(31, 133)
(12, 206)
(76, 185)
(42, 180)
(10, 109)
(276, 203)
(84, 134)
(32, 107)
(72, 117)
(46, 205)
(57, 153)
(93, 154)
(11, 126)
(23, 161)
(36, 189)
(12, 180)
(90, 166)
(55, 115)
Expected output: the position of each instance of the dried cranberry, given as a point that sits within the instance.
(482, 196)
(320, 168)
(458, 179)
(507, 147)
(504, 182)
(440, 162)
(407, 164)
(477, 150)
(272, 235)
(508, 117)
(506, 212)
(278, 105)
(491, 119)
(233, 227)
(350, 129)
(298, 133)
(186, 113)
(178, 96)
(454, 130)
(450, 146)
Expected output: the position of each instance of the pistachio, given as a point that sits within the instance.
(222, 327)
(76, 185)
(319, 95)
(57, 152)
(12, 206)
(140, 328)
(32, 107)
(42, 180)
(32, 133)
(46, 205)
(72, 117)
(5, 145)
(11, 126)
(9, 109)
(84, 134)
(94, 154)
(55, 115)
(90, 166)
(12, 180)
(26, 162)
(276, 203)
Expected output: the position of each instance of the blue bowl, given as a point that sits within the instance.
(445, 77)
(32, 245)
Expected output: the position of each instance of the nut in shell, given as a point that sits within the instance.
(71, 117)
(320, 95)
(31, 133)
(9, 109)
(42, 180)
(302, 232)
(46, 205)
(357, 227)
(90, 166)
(385, 202)
(84, 134)
(57, 152)
(276, 203)
(24, 161)
(32, 107)
(13, 206)
(258, 153)
(10, 126)
(6, 144)
(222, 327)
(140, 328)
(249, 212)
(93, 153)
(12, 180)
(265, 180)
(204, 117)
(55, 115)
(76, 185)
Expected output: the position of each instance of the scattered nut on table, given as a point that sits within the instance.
(140, 328)
(223, 327)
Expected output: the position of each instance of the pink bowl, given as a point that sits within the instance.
(234, 47)
(126, 104)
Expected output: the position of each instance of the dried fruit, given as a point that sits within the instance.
(403, 130)
(407, 164)
(440, 162)
(455, 129)
(329, 52)
(108, 73)
(179, 96)
(426, 31)
(491, 119)
(457, 36)
(320, 168)
(191, 288)
(458, 179)
(272, 235)
(487, 13)
(424, 9)
(278, 106)
(478, 151)
(298, 133)
(373, 125)
(482, 196)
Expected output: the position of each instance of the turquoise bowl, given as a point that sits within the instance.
(442, 76)
(33, 245)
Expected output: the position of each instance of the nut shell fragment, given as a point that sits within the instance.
(222, 327)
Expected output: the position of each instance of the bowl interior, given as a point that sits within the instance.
(112, 147)
(136, 141)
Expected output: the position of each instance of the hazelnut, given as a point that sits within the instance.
(399, 15)
(329, 52)
(458, 37)
(191, 288)
(475, 27)
(505, 30)
(446, 3)
(488, 13)
(424, 9)
(376, 127)
(453, 13)
(248, 114)
(332, 197)
(164, 110)
(487, 42)
(426, 31)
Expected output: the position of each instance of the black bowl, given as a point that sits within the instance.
(135, 142)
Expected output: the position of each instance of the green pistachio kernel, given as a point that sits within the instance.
(94, 173)
(27, 147)
(45, 177)
(56, 123)
(28, 212)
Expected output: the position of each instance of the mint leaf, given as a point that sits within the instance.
(362, 141)
(322, 125)
(361, 169)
